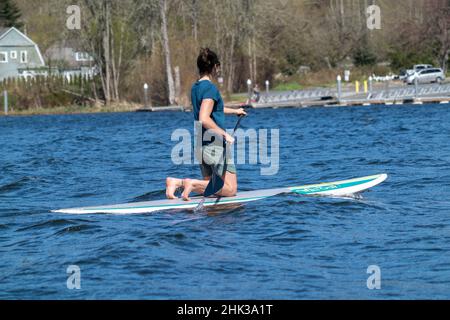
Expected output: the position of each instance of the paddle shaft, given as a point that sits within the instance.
(238, 124)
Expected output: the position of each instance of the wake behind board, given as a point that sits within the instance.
(332, 189)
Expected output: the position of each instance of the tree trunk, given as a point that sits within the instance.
(177, 85)
(250, 58)
(230, 66)
(166, 50)
(217, 25)
(445, 60)
(195, 8)
(107, 50)
(116, 67)
(255, 70)
(114, 95)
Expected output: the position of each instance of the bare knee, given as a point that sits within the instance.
(229, 191)
(230, 187)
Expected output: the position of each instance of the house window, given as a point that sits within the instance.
(23, 57)
(3, 57)
(13, 54)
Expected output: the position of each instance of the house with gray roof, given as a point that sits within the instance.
(71, 60)
(18, 54)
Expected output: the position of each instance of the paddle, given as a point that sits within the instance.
(216, 183)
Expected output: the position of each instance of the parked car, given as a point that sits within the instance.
(417, 68)
(427, 76)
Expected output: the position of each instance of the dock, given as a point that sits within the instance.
(328, 97)
(425, 94)
(350, 103)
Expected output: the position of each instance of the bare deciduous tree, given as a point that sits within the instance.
(166, 49)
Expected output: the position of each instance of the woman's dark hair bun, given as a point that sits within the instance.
(204, 52)
(207, 60)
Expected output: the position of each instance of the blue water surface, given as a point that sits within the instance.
(286, 247)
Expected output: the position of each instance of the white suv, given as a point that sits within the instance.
(416, 68)
(427, 76)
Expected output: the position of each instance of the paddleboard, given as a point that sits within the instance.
(332, 189)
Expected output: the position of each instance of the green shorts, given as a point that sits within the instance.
(212, 162)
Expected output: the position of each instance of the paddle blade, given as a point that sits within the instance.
(215, 185)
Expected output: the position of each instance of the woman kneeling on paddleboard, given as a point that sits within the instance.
(210, 111)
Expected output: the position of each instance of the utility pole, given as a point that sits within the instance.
(339, 88)
(5, 101)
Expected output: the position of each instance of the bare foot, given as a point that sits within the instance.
(172, 185)
(188, 187)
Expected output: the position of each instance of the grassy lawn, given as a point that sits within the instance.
(237, 97)
(289, 86)
(120, 107)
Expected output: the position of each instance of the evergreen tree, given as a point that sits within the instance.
(9, 14)
(364, 56)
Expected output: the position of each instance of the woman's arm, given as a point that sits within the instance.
(208, 123)
(238, 112)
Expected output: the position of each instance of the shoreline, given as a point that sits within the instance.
(115, 108)
(77, 111)
(274, 100)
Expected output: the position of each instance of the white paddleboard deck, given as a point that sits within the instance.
(332, 189)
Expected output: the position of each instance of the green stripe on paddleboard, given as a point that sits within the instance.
(330, 187)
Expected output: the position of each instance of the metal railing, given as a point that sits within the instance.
(295, 95)
(382, 94)
(398, 93)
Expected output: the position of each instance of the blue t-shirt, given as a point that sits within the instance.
(205, 89)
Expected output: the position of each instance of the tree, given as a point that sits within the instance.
(10, 14)
(438, 29)
(166, 50)
(364, 57)
(111, 39)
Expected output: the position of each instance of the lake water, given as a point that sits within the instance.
(286, 247)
